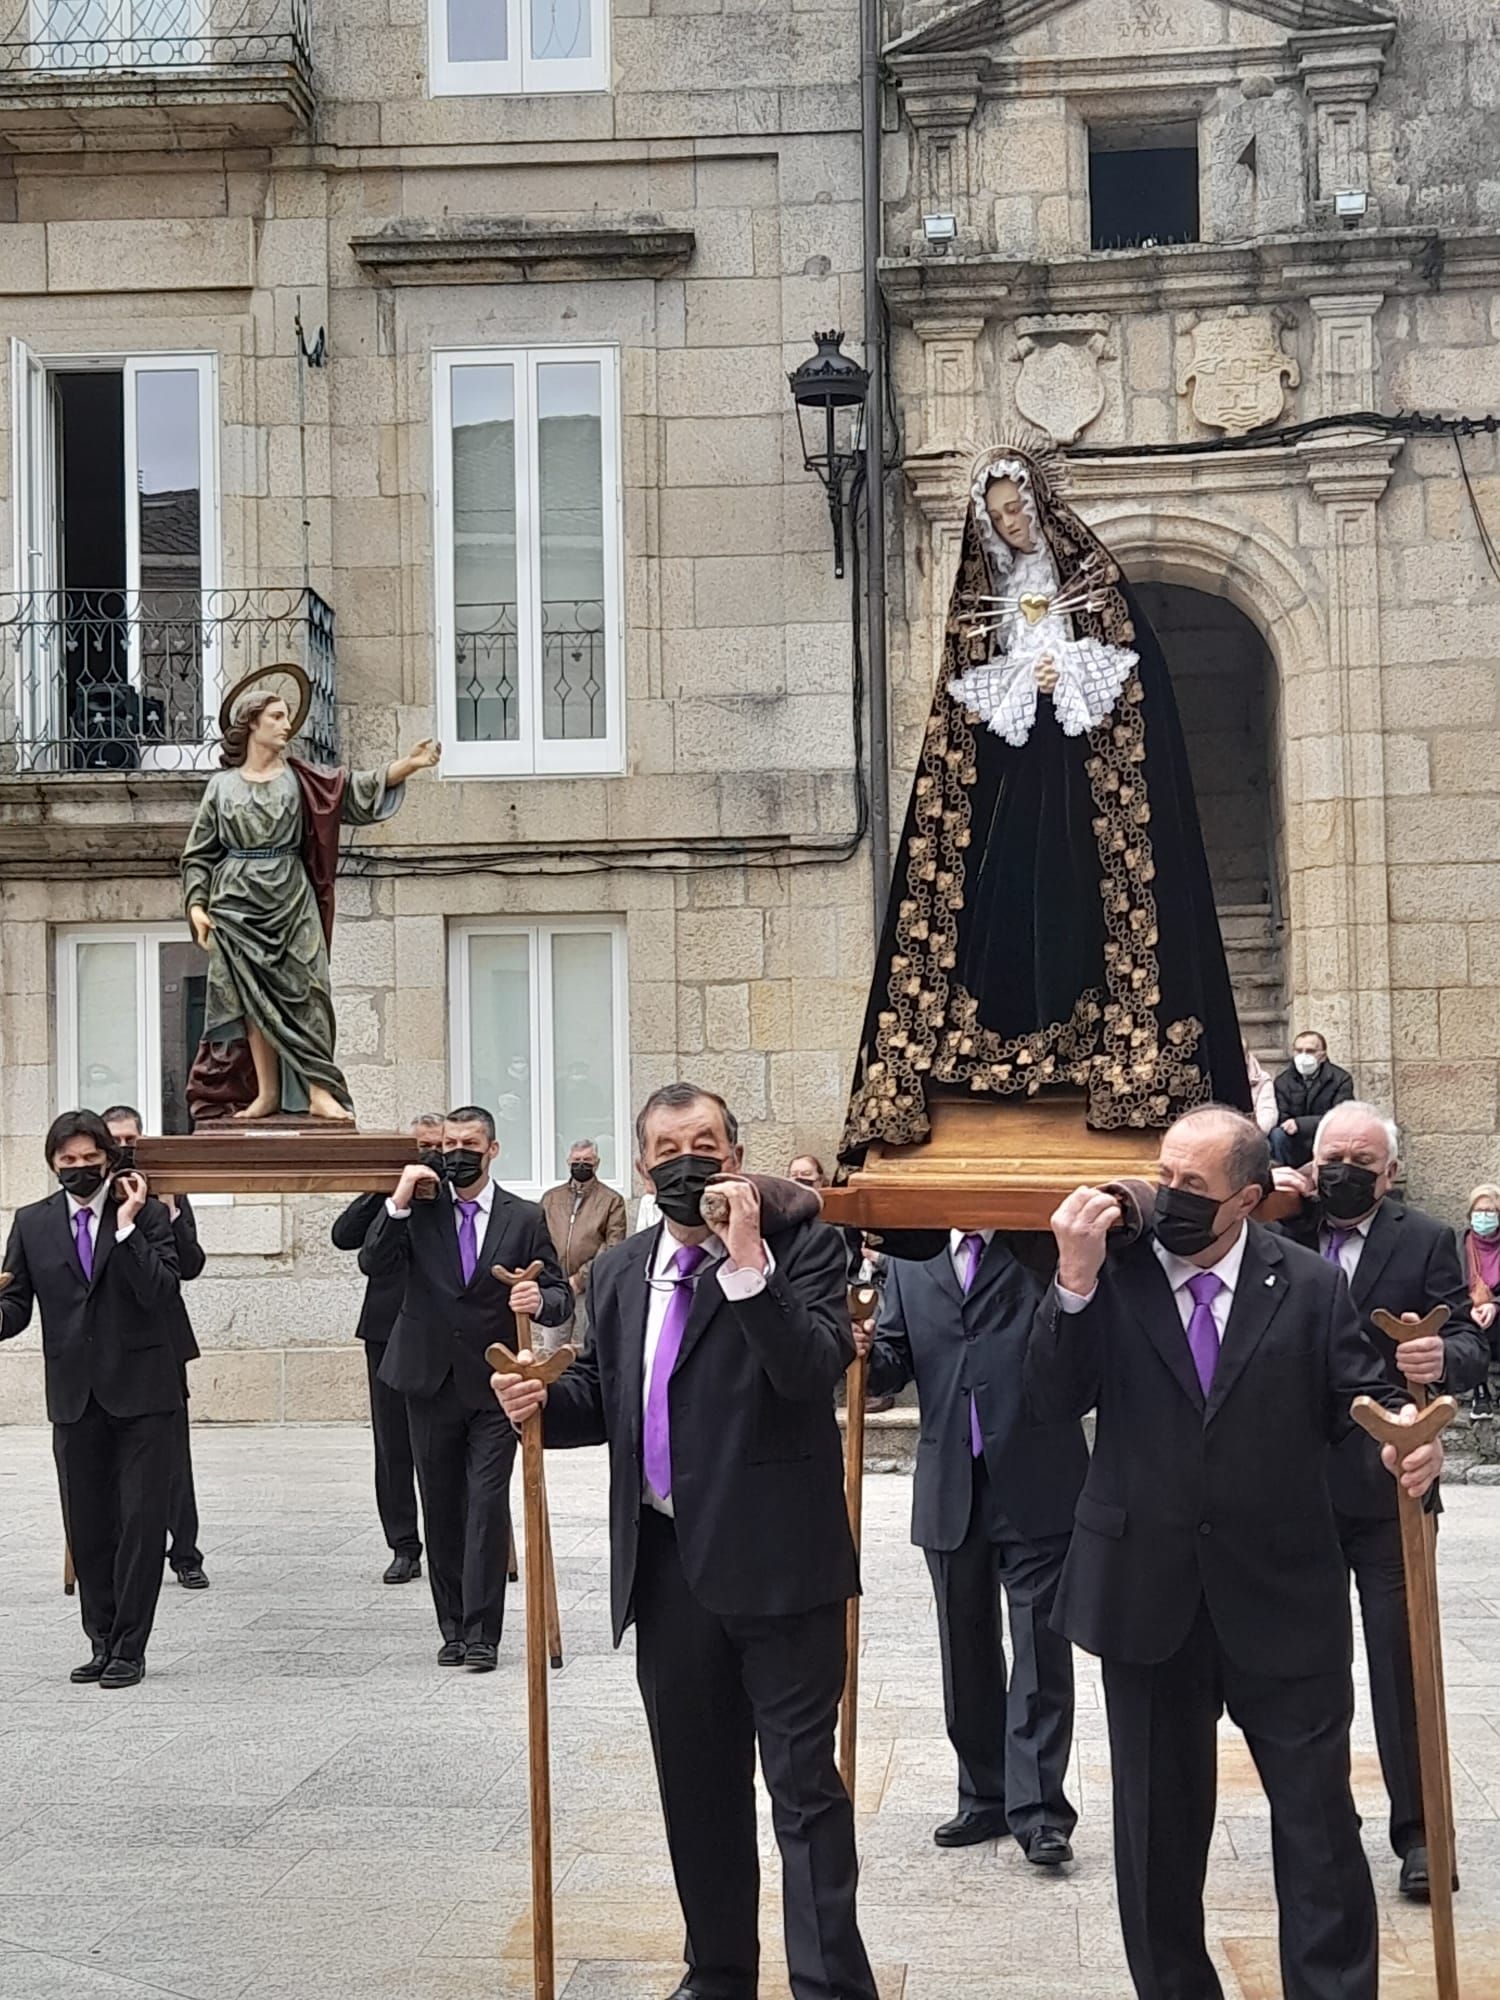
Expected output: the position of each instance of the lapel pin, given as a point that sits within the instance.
(1271, 1278)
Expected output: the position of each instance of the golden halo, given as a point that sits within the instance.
(280, 670)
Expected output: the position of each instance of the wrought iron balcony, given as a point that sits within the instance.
(105, 680)
(192, 72)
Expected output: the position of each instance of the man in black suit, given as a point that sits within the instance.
(98, 1259)
(1306, 1090)
(993, 1507)
(1205, 1568)
(452, 1308)
(183, 1553)
(395, 1469)
(1401, 1261)
(711, 1379)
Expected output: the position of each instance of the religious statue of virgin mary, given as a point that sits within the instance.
(1051, 923)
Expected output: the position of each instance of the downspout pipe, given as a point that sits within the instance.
(875, 421)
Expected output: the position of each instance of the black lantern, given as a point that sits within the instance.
(835, 386)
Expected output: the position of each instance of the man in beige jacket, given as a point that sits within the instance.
(585, 1216)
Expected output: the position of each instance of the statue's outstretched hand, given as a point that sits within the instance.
(424, 756)
(202, 924)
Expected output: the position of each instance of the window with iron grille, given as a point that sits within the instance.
(527, 535)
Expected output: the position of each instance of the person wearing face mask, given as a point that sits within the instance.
(1479, 1254)
(585, 1215)
(98, 1260)
(1205, 1570)
(1396, 1260)
(1306, 1090)
(443, 1253)
(711, 1377)
(395, 1469)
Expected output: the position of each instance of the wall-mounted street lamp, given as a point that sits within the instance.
(832, 386)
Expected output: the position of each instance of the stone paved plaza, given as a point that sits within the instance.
(300, 1805)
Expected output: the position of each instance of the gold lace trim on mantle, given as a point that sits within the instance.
(1136, 1073)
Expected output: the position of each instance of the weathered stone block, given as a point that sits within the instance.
(726, 1020)
(721, 944)
(325, 1386)
(237, 1388)
(1469, 1021)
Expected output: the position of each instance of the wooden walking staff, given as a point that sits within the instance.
(863, 1300)
(539, 1752)
(1419, 1554)
(549, 1593)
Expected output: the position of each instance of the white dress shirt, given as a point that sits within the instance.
(734, 1282)
(956, 1240)
(1179, 1273)
(1351, 1245)
(95, 1207)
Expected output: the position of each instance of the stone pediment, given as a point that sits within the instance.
(1131, 29)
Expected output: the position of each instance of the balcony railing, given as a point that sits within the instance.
(105, 680)
(572, 681)
(205, 66)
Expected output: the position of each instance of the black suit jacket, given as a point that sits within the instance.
(955, 1345)
(112, 1336)
(1307, 1098)
(443, 1326)
(1224, 1502)
(383, 1295)
(757, 1467)
(190, 1262)
(1408, 1264)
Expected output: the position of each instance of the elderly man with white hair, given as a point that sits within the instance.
(1401, 1261)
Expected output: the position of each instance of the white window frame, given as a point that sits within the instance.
(537, 932)
(521, 73)
(532, 755)
(36, 554)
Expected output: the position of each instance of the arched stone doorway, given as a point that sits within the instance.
(1225, 682)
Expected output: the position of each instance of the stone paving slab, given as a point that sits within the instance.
(299, 1804)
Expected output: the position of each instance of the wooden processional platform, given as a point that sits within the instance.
(276, 1156)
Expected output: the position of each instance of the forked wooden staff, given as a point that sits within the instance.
(1419, 1558)
(540, 1643)
(863, 1301)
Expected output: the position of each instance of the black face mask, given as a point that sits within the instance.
(463, 1166)
(432, 1156)
(679, 1185)
(581, 1171)
(1185, 1223)
(1346, 1191)
(83, 1183)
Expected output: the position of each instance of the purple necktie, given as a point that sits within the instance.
(1203, 1331)
(85, 1242)
(973, 1248)
(656, 1429)
(468, 1239)
(1333, 1248)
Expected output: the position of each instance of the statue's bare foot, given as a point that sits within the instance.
(323, 1104)
(263, 1105)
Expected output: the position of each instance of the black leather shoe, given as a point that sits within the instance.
(1047, 1847)
(192, 1579)
(403, 1569)
(968, 1829)
(123, 1674)
(451, 1653)
(481, 1659)
(91, 1670)
(1416, 1883)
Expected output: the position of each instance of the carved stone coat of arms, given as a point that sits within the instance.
(1237, 372)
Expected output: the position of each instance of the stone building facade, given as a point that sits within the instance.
(668, 189)
(545, 477)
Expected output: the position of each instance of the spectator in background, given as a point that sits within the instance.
(1262, 1092)
(584, 1216)
(1479, 1253)
(1306, 1091)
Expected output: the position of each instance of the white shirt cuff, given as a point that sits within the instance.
(736, 1283)
(1073, 1302)
(396, 1214)
(125, 1229)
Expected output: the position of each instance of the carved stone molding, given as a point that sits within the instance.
(1350, 468)
(1346, 350)
(1341, 71)
(1059, 388)
(488, 250)
(951, 380)
(940, 101)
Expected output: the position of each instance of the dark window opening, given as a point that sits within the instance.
(1143, 185)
